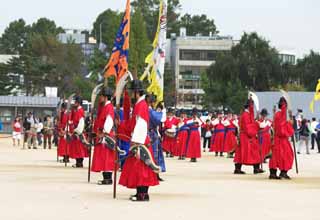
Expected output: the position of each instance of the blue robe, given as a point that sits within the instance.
(154, 122)
(124, 145)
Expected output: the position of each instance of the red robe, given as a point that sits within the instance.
(63, 145)
(103, 157)
(248, 152)
(282, 153)
(230, 142)
(217, 139)
(169, 143)
(194, 145)
(182, 138)
(77, 149)
(135, 172)
(265, 139)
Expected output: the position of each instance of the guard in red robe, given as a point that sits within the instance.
(217, 141)
(63, 145)
(248, 151)
(264, 135)
(231, 126)
(194, 144)
(169, 136)
(103, 157)
(135, 173)
(282, 153)
(183, 135)
(76, 124)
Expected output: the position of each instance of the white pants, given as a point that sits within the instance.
(304, 140)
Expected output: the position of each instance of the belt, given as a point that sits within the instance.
(218, 131)
(194, 129)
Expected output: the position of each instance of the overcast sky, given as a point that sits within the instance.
(289, 24)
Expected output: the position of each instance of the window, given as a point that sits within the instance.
(205, 55)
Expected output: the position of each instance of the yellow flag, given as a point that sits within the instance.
(316, 96)
(156, 59)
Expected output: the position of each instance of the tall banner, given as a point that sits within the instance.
(118, 62)
(316, 97)
(156, 59)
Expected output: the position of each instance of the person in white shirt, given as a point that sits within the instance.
(313, 126)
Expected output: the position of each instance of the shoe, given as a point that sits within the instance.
(221, 154)
(141, 197)
(160, 179)
(193, 160)
(298, 152)
(284, 175)
(35, 148)
(217, 154)
(180, 158)
(171, 155)
(274, 177)
(77, 165)
(105, 182)
(239, 172)
(257, 171)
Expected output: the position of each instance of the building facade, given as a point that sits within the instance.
(189, 57)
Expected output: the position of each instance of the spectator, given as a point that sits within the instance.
(26, 127)
(47, 132)
(304, 133)
(16, 131)
(32, 135)
(39, 132)
(1, 125)
(314, 124)
(318, 136)
(55, 132)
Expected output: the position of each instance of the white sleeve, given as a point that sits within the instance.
(140, 131)
(108, 125)
(226, 123)
(215, 122)
(80, 126)
(164, 115)
(263, 124)
(236, 123)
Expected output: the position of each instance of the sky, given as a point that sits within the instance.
(290, 25)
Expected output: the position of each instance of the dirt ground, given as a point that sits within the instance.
(35, 187)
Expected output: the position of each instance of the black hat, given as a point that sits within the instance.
(264, 112)
(247, 104)
(300, 110)
(78, 99)
(170, 110)
(106, 91)
(194, 111)
(136, 85)
(182, 111)
(64, 105)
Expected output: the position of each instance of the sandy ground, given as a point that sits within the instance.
(34, 186)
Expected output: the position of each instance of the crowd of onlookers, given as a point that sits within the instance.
(34, 131)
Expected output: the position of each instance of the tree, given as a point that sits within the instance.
(44, 27)
(108, 22)
(14, 38)
(198, 24)
(308, 70)
(140, 45)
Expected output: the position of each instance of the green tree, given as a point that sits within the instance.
(44, 27)
(308, 69)
(198, 24)
(108, 22)
(14, 38)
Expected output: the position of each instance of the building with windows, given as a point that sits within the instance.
(189, 57)
(287, 57)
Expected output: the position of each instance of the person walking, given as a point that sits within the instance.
(16, 134)
(304, 133)
(313, 126)
(47, 132)
(39, 132)
(32, 135)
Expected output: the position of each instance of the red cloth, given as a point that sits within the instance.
(282, 153)
(217, 144)
(169, 143)
(135, 173)
(194, 145)
(181, 141)
(265, 139)
(16, 127)
(248, 152)
(63, 145)
(230, 143)
(77, 150)
(103, 157)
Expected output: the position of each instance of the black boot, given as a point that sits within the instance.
(221, 154)
(273, 175)
(193, 160)
(159, 178)
(284, 175)
(217, 154)
(142, 195)
(237, 169)
(79, 163)
(107, 179)
(180, 158)
(257, 169)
